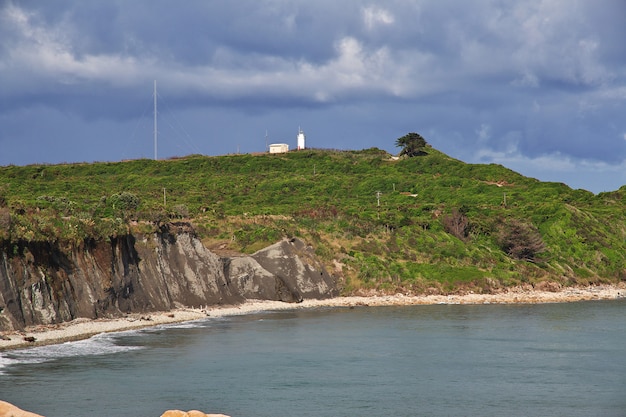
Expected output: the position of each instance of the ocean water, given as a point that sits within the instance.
(440, 360)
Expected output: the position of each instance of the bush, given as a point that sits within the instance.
(125, 203)
(520, 240)
(457, 224)
(5, 222)
(181, 211)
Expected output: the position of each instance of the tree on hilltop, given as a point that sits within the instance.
(412, 144)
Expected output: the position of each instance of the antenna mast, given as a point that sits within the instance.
(155, 121)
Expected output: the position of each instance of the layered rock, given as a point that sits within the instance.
(40, 283)
(286, 271)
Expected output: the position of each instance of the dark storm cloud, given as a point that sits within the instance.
(528, 84)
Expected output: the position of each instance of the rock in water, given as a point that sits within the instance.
(9, 410)
(174, 413)
(191, 413)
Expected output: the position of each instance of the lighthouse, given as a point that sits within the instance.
(301, 139)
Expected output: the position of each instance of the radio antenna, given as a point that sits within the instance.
(155, 121)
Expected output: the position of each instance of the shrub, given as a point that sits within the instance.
(457, 224)
(520, 240)
(124, 202)
(5, 222)
(181, 211)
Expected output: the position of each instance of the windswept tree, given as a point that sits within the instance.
(457, 224)
(521, 240)
(412, 144)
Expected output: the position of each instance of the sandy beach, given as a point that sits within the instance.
(84, 328)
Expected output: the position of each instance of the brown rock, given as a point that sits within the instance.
(9, 410)
(195, 413)
(174, 413)
(191, 413)
(548, 286)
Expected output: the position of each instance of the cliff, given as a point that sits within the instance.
(421, 225)
(41, 283)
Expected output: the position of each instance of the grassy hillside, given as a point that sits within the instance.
(424, 224)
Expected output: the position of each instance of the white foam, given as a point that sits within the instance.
(183, 325)
(102, 344)
(5, 362)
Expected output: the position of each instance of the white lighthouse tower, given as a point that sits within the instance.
(301, 139)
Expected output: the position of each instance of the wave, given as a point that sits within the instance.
(101, 344)
(183, 325)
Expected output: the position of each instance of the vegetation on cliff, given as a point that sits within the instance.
(424, 222)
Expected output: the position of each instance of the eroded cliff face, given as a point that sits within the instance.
(286, 271)
(42, 284)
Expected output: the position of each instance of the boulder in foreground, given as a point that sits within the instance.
(9, 410)
(191, 413)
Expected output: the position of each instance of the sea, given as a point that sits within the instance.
(543, 360)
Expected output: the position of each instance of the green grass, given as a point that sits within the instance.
(329, 198)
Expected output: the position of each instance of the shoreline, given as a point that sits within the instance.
(83, 328)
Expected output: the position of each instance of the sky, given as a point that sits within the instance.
(538, 86)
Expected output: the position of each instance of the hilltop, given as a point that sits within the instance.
(422, 224)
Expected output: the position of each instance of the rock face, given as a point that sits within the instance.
(286, 271)
(40, 283)
(9, 410)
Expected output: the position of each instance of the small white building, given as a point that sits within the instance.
(279, 148)
(301, 139)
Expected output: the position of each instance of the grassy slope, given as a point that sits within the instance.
(244, 202)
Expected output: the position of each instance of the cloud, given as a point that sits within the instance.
(375, 16)
(49, 55)
(591, 175)
(533, 78)
(484, 132)
(45, 53)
